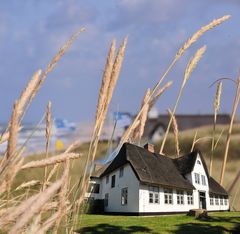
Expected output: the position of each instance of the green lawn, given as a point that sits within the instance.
(222, 222)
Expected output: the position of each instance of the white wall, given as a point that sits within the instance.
(145, 206)
(128, 180)
(215, 207)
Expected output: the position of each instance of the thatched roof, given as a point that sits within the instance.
(216, 188)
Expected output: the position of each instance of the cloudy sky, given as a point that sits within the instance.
(32, 31)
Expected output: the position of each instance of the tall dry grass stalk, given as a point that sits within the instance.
(158, 94)
(35, 207)
(194, 141)
(189, 69)
(216, 109)
(175, 132)
(12, 141)
(63, 196)
(101, 115)
(48, 136)
(138, 132)
(50, 68)
(235, 106)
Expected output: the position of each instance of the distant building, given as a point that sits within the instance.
(139, 181)
(155, 127)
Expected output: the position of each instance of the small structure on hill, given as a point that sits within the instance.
(139, 181)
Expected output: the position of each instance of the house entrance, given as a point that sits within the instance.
(202, 200)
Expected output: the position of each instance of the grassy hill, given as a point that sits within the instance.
(185, 138)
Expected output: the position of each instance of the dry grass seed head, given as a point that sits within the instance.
(200, 32)
(218, 97)
(51, 161)
(175, 131)
(105, 79)
(50, 67)
(159, 93)
(193, 62)
(12, 141)
(28, 90)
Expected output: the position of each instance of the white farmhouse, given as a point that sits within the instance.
(139, 181)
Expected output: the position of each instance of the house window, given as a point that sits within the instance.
(221, 201)
(180, 197)
(124, 196)
(106, 199)
(216, 201)
(153, 194)
(203, 180)
(199, 162)
(121, 172)
(197, 178)
(211, 200)
(168, 196)
(225, 201)
(93, 188)
(190, 198)
(107, 179)
(113, 181)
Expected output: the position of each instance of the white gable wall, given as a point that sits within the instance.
(130, 181)
(200, 187)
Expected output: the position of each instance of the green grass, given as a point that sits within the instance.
(221, 222)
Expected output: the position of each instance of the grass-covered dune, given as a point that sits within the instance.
(216, 223)
(185, 138)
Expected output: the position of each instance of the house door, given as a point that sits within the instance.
(202, 200)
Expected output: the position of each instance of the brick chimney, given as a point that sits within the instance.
(149, 147)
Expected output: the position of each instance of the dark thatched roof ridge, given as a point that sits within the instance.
(186, 162)
(149, 167)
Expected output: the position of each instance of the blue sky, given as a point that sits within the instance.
(32, 31)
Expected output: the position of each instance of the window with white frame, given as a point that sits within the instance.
(197, 178)
(121, 172)
(216, 200)
(106, 199)
(211, 200)
(180, 197)
(190, 198)
(225, 201)
(203, 180)
(153, 194)
(168, 196)
(107, 179)
(124, 196)
(221, 201)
